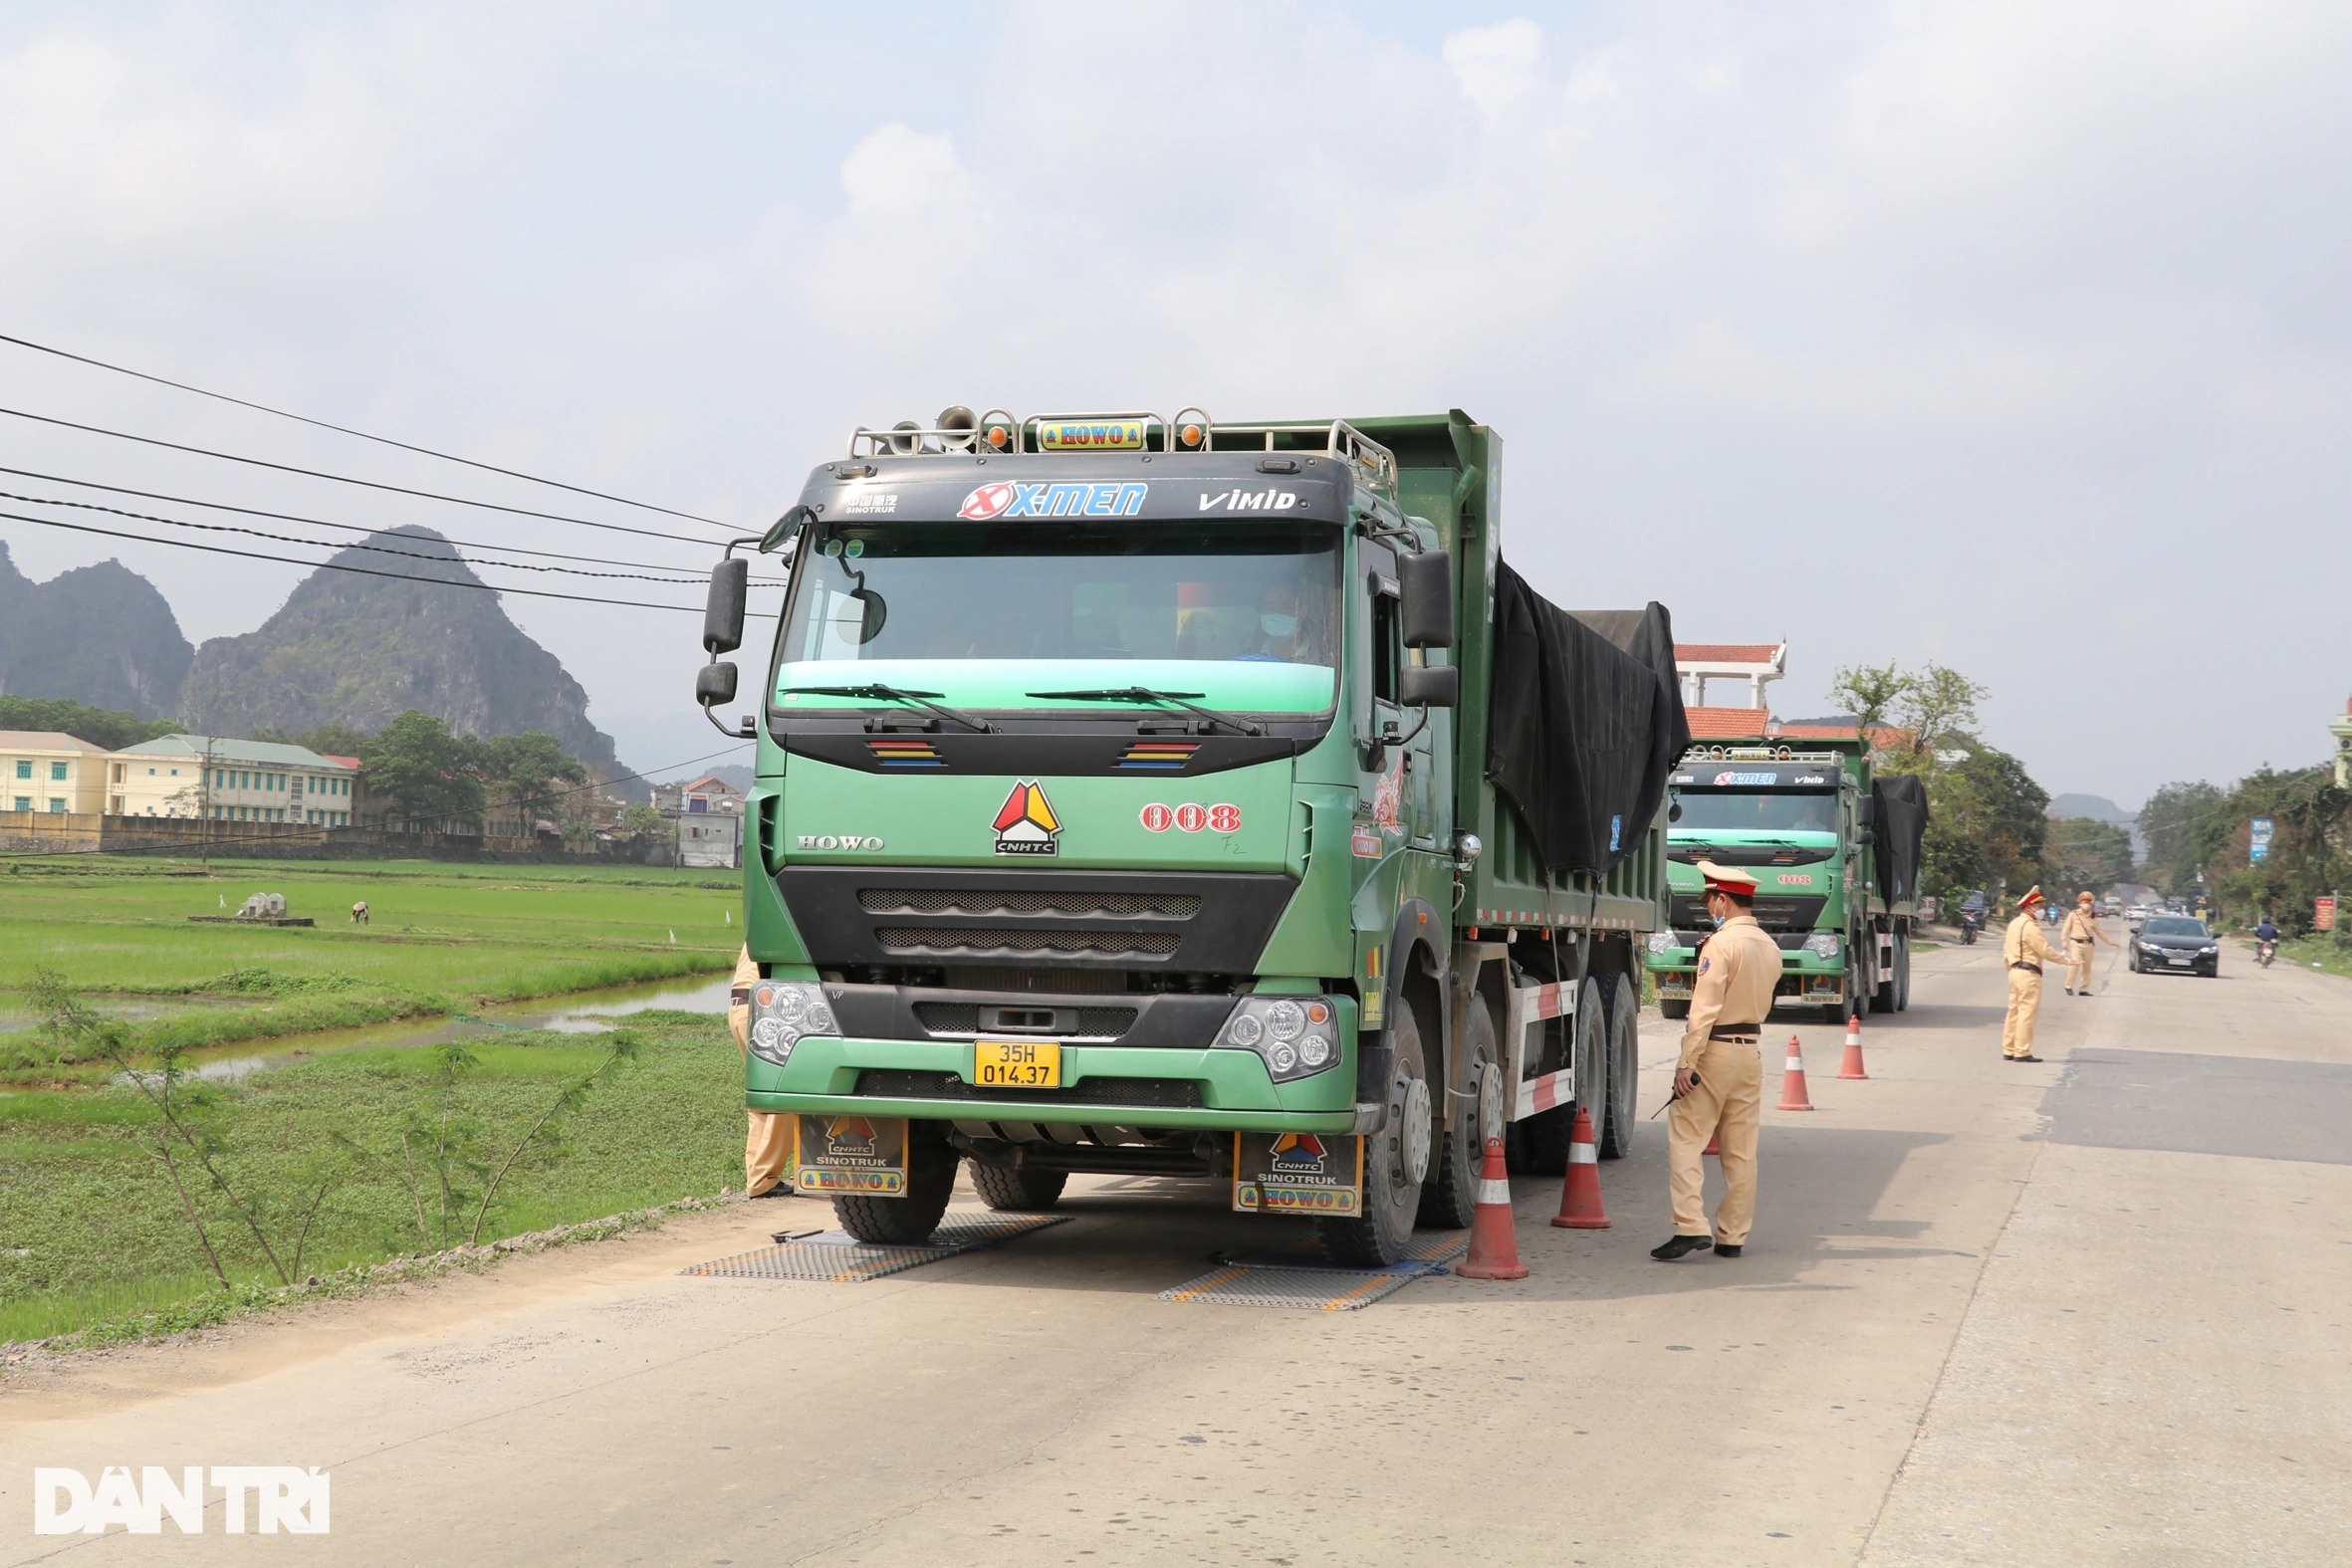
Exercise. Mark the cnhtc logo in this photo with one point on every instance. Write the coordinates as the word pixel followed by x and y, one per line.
pixel 261 1499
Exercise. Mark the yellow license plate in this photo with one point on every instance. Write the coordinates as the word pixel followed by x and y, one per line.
pixel 1017 1065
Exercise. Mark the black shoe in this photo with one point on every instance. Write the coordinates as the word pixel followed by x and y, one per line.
pixel 1727 1249
pixel 2020 1058
pixel 779 1190
pixel 2069 990
pixel 1677 1245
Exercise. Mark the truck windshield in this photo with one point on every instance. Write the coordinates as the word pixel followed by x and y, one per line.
pixel 1263 594
pixel 1757 811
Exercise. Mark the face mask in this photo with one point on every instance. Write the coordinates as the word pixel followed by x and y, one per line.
pixel 1278 626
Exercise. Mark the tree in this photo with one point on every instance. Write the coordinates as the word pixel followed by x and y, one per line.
pixel 335 740
pixel 1933 705
pixel 643 821
pixel 108 727
pixel 2311 835
pixel 426 772
pixel 2087 853
pixel 1986 823
pixel 528 771
pixel 1871 691
pixel 2182 825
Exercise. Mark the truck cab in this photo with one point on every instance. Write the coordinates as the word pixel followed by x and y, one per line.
pixel 1105 815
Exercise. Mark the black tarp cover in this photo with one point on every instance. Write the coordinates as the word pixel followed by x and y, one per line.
pixel 1898 829
pixel 1585 721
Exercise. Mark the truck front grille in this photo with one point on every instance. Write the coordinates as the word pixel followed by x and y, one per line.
pixel 1008 941
pixel 1158 1094
pixel 1073 904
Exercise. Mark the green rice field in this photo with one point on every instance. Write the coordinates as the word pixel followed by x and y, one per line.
pixel 441 939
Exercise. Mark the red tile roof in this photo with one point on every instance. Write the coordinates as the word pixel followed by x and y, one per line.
pixel 1726 723
pixel 1726 652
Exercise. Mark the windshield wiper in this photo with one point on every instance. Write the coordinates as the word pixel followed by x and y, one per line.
pixel 879 693
pixel 1146 694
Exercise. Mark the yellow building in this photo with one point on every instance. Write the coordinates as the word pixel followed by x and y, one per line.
pixel 199 776
pixel 44 771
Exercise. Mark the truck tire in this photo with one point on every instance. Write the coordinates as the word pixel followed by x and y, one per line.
pixel 1614 1137
pixel 1674 1010
pixel 1592 1062
pixel 903 1222
pixel 1902 972
pixel 1008 1187
pixel 1450 1196
pixel 1384 1233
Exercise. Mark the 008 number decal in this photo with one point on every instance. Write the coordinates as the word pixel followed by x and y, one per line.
pixel 1192 818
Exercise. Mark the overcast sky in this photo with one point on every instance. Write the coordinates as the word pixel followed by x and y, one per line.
pixel 2013 336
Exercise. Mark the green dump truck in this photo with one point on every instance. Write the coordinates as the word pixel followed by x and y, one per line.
pixel 1835 853
pixel 1165 798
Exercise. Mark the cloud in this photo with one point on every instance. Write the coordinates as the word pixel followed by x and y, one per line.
pixel 1496 65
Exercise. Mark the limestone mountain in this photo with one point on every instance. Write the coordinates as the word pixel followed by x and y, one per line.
pixel 101 635
pixel 362 650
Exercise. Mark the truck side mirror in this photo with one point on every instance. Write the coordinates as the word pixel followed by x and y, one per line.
pixel 721 612
pixel 1865 812
pixel 714 683
pixel 1425 584
pixel 1429 686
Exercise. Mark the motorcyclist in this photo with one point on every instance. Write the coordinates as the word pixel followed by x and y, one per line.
pixel 1972 915
pixel 2265 940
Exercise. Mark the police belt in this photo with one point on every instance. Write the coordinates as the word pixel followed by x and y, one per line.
pixel 1736 1034
pixel 2034 968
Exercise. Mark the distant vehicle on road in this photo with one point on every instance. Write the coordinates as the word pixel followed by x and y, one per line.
pixel 2178 944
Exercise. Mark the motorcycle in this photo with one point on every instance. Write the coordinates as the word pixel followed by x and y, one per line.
pixel 1972 921
pixel 2265 952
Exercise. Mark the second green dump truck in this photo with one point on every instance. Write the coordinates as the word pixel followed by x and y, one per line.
pixel 1835 852
pixel 1155 797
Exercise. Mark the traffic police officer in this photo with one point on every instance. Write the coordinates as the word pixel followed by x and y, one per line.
pixel 2025 950
pixel 1719 1077
pixel 2082 934
pixel 768 1137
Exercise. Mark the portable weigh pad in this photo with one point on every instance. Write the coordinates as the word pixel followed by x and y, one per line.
pixel 1295 1279
pixel 835 1258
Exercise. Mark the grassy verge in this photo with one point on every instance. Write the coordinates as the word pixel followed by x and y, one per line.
pixel 2317 951
pixel 94 1241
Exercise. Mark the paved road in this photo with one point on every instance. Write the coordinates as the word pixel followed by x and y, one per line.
pixel 2092 1312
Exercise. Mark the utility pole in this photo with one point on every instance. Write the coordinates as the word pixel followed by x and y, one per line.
pixel 205 811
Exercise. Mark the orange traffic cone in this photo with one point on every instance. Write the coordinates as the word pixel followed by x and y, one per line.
pixel 1580 1194
pixel 1851 1067
pixel 1792 1087
pixel 1493 1245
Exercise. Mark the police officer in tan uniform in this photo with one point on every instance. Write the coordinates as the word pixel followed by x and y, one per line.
pixel 768 1139
pixel 2024 949
pixel 1719 1077
pixel 2082 935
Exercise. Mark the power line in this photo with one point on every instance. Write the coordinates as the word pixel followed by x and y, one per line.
pixel 329 565
pixel 381 550
pixel 345 528
pixel 322 424
pixel 346 479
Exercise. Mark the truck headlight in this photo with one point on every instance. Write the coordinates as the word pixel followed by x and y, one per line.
pixel 1295 1036
pixel 1824 945
pixel 1661 943
pixel 785 1013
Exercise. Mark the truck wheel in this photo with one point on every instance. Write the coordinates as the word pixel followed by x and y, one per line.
pixel 1674 1010
pixel 1395 1161
pixel 903 1222
pixel 1008 1187
pixel 1614 1138
pixel 1902 972
pixel 1450 1196
pixel 1592 1062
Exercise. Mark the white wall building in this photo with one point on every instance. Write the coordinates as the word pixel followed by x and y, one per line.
pixel 200 776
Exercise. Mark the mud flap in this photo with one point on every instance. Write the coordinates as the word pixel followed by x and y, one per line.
pixel 852 1153
pixel 1319 1175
